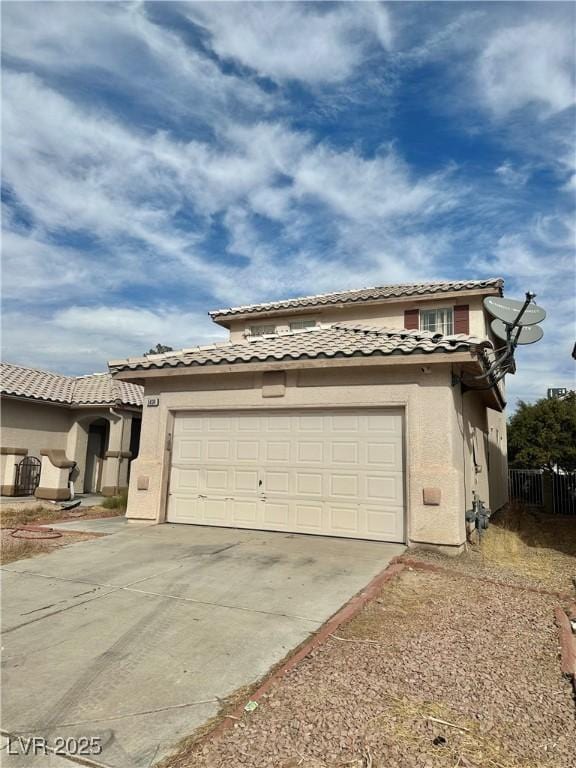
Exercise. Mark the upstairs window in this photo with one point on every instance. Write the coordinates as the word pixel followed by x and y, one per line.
pixel 437 321
pixel 296 325
pixel 261 330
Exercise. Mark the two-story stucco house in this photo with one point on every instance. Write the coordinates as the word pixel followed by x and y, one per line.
pixel 344 414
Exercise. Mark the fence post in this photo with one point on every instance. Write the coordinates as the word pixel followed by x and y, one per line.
pixel 548 492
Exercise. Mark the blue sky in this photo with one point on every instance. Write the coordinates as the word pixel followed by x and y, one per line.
pixel 162 159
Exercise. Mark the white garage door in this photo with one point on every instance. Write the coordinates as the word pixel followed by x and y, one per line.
pixel 336 473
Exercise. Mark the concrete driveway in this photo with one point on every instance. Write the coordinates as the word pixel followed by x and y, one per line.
pixel 136 636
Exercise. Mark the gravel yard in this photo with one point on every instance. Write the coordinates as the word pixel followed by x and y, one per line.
pixel 430 647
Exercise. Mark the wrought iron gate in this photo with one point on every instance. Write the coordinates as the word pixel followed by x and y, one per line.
pixel 27 476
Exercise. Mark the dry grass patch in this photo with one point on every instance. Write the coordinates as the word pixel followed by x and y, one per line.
pixel 435 729
pixel 37 513
pixel 12 549
pixel 522 547
pixel 540 547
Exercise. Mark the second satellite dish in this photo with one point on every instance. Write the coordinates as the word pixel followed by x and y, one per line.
pixel 508 310
pixel 526 335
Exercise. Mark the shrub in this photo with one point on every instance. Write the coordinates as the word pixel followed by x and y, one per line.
pixel 119 502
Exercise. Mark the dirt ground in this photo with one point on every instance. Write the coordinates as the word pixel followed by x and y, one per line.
pixel 431 647
pixel 16 545
pixel 12 549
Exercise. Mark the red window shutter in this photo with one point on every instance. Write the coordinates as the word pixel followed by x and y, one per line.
pixel 411 319
pixel 462 319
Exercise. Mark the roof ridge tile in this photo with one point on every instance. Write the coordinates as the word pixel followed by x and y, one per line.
pixel 385 291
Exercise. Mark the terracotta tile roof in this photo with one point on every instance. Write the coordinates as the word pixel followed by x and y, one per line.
pixel 322 341
pixel 364 294
pixel 96 389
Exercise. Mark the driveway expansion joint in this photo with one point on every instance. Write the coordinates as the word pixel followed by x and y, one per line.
pixel 113 589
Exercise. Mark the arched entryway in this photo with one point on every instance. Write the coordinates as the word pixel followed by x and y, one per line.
pixel 97 445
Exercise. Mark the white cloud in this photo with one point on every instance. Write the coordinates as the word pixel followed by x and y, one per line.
pixel 76 169
pixel 530 64
pixel 119 44
pixel 81 339
pixel 287 41
pixel 512 177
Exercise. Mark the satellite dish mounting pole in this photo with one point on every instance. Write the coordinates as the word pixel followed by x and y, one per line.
pixel 512 343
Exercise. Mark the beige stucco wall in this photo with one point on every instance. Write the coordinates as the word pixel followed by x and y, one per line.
pixel 33 425
pixel 37 426
pixel 484 429
pixel 498 459
pixel 435 452
pixel 386 314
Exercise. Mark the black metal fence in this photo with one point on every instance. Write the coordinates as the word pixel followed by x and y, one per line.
pixel 555 493
pixel 563 493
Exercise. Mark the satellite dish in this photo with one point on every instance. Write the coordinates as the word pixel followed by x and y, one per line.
pixel 529 334
pixel 508 310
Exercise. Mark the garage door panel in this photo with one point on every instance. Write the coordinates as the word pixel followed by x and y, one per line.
pixel 219 424
pixel 344 519
pixel 276 515
pixel 384 422
pixel 308 484
pixel 249 424
pixel 384 488
pixel 384 454
pixel 188 450
pixel 309 517
pixel 383 523
pixel 247 450
pixel 187 510
pixel 187 480
pixel 310 452
pixel 245 480
pixel 276 482
pixel 344 486
pixel 277 424
pixel 277 451
pixel 344 452
pixel 245 511
pixel 325 472
pixel 349 422
pixel 218 450
pixel 310 423
pixel 215 511
pixel 216 480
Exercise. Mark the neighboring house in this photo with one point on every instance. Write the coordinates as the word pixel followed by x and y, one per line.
pixel 341 414
pixel 86 426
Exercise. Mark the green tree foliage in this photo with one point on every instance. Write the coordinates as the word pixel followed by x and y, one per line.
pixel 159 349
pixel 543 435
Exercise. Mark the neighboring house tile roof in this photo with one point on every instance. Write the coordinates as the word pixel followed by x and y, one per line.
pixel 363 294
pixel 95 389
pixel 322 341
